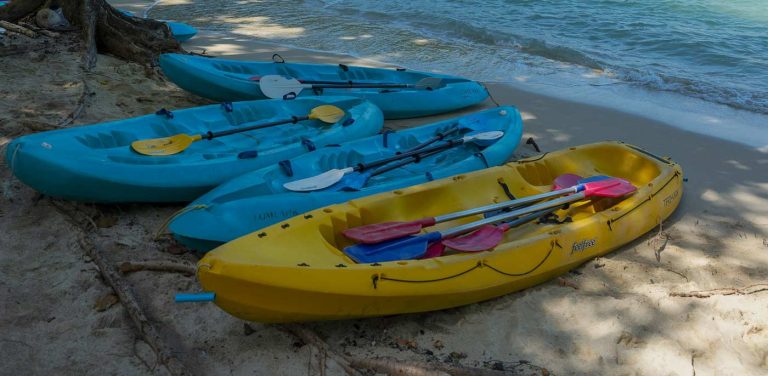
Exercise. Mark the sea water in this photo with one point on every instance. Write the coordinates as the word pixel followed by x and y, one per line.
pixel 701 65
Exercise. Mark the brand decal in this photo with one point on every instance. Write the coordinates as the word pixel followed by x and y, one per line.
pixel 276 215
pixel 671 198
pixel 582 245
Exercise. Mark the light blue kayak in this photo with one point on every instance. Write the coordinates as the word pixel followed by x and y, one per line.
pixel 96 163
pixel 180 31
pixel 258 199
pixel 233 80
pixel 2 3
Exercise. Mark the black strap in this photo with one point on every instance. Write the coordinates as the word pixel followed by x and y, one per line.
pixel 343 67
pixel 482 158
pixel 531 142
pixel 347 122
pixel 308 144
pixel 286 166
pixel 165 112
pixel 275 58
pixel 504 186
pixel 227 106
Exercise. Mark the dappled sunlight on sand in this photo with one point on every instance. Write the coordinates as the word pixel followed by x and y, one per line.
pixel 255 26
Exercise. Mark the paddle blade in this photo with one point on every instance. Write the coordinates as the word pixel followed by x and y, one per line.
pixel 429 83
pixel 351 182
pixel 164 145
pixel 407 248
pixel 380 232
pixel 327 113
pixel 435 249
pixel 317 182
pixel 274 86
pixel 484 138
pixel 612 187
pixel 565 181
pixel 483 239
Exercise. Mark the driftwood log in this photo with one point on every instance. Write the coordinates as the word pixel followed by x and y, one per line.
pixel 104 29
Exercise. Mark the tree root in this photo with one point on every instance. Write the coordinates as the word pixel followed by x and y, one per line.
pixel 388 366
pixel 127 299
pixel 158 266
pixel 79 107
pixel 751 289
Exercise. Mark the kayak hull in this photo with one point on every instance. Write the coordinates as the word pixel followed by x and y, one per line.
pixel 233 80
pixel 296 270
pixel 258 199
pixel 96 164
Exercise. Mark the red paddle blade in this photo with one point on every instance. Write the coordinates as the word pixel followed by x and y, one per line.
pixel 483 239
pixel 613 187
pixel 435 249
pixel 379 232
pixel 565 181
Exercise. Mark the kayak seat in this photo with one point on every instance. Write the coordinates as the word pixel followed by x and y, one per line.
pixel 106 140
pixel 340 159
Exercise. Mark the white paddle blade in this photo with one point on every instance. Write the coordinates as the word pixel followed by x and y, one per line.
pixel 429 82
pixel 484 136
pixel 275 86
pixel 317 182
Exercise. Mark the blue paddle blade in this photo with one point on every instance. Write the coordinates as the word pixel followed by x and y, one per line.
pixel 353 181
pixel 406 248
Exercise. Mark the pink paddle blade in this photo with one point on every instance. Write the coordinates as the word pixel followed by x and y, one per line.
pixel 435 249
pixel 379 232
pixel 565 181
pixel 614 187
pixel 483 239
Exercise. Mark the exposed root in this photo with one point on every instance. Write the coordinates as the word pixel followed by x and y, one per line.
pixel 125 294
pixel 79 107
pixel 387 366
pixel 751 289
pixel 659 242
pixel 158 266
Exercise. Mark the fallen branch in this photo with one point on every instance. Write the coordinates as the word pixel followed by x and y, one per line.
pixel 18 29
pixel 388 366
pixel 127 299
pixel 311 338
pixel 722 291
pixel 157 266
pixel 47 33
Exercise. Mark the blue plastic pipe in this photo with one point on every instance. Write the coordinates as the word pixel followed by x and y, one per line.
pixel 195 298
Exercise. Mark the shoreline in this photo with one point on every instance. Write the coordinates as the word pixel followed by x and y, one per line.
pixel 671 108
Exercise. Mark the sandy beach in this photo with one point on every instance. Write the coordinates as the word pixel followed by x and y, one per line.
pixel 613 315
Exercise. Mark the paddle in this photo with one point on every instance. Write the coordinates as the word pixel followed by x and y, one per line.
pixel 487 234
pixel 356 181
pixel 339 83
pixel 180 142
pixel 274 86
pixel 411 247
pixel 379 232
pixel 331 177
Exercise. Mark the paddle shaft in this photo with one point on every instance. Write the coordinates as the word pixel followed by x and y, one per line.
pixel 505 204
pixel 393 166
pixel 515 213
pixel 449 144
pixel 438 137
pixel 295 119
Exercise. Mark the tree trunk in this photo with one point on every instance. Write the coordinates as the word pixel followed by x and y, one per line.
pixel 104 29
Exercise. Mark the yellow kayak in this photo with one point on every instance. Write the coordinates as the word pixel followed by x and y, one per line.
pixel 296 270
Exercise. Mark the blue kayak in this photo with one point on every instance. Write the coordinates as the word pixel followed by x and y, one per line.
pixel 258 199
pixel 180 31
pixel 233 80
pixel 96 163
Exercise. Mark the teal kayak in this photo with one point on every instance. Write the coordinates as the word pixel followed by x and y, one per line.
pixel 180 31
pixel 96 163
pixel 258 199
pixel 233 80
